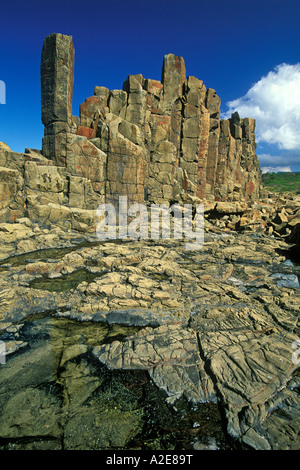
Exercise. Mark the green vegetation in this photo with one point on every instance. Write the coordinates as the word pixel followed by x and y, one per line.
pixel 282 182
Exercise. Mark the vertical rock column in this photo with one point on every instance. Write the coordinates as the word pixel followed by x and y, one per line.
pixel 137 99
pixel 222 172
pixel 165 106
pixel 213 103
pixel 250 164
pixel 238 173
pixel 127 165
pixel 235 187
pixel 173 79
pixel 57 76
pixel 194 140
pixel 85 164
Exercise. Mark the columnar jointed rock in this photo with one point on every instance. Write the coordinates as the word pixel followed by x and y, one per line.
pixel 173 144
pixel 83 163
pixel 152 141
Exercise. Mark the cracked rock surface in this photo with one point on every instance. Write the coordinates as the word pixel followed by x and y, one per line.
pixel 171 355
pixel 213 327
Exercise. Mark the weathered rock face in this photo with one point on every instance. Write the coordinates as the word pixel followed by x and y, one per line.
pixel 184 149
pixel 152 141
pixel 165 141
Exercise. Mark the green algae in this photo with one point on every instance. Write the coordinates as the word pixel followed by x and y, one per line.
pixel 65 282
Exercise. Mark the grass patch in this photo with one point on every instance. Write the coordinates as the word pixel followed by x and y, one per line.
pixel 282 182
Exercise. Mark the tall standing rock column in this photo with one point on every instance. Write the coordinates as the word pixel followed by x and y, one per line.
pixel 213 103
pixel 57 76
pixel 195 130
pixel 173 79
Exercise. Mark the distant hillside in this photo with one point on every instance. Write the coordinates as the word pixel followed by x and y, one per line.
pixel 282 182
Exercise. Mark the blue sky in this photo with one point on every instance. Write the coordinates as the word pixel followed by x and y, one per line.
pixel 248 51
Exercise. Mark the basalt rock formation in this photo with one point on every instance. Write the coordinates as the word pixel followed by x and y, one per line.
pixel 161 140
pixel 153 141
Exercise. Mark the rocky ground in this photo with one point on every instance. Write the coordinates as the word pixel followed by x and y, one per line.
pixel 215 328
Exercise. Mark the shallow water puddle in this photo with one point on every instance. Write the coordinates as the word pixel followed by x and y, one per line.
pixel 40 255
pixel 54 394
pixel 56 253
pixel 64 282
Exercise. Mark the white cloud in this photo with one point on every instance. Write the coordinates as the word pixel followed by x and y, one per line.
pixel 286 159
pixel 274 101
pixel 276 169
